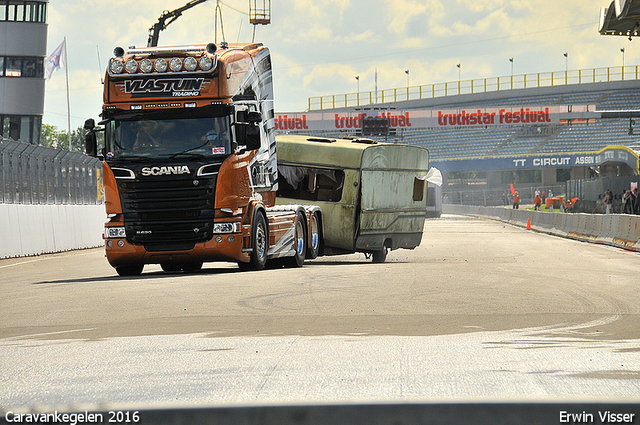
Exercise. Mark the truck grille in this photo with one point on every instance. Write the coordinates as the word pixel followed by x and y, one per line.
pixel 168 214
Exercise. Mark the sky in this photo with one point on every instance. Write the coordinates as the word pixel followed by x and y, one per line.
pixel 318 47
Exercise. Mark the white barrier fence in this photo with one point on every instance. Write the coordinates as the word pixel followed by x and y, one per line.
pixel 41 229
pixel 620 230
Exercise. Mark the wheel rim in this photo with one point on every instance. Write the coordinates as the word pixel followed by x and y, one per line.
pixel 261 240
pixel 299 238
pixel 315 240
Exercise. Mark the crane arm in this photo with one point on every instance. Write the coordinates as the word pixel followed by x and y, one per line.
pixel 165 19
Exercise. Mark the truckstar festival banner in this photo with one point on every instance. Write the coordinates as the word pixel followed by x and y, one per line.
pixel 471 117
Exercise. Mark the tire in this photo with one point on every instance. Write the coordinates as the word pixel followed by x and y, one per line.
pixel 299 241
pixel 130 270
pixel 259 243
pixel 171 267
pixel 314 237
pixel 192 267
pixel 380 256
pixel 178 267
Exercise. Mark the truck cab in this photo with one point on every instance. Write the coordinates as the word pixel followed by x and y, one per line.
pixel 189 160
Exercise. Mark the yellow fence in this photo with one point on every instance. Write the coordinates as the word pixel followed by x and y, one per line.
pixel 525 81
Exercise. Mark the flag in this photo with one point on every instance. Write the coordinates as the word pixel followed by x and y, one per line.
pixel 57 60
pixel 434 176
pixel 513 189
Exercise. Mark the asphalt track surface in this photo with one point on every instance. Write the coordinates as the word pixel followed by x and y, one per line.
pixel 481 310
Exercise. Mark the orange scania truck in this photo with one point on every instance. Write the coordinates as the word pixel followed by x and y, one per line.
pixel 189 162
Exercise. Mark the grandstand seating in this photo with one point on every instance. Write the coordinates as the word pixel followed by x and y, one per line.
pixel 454 143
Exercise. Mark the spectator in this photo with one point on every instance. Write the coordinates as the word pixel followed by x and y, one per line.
pixel 516 200
pixel 543 195
pixel 627 203
pixel 537 202
pixel 569 205
pixel 607 201
pixel 634 201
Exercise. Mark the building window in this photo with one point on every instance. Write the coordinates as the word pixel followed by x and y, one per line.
pixel 22 128
pixel 23 11
pixel 22 67
pixel 14 67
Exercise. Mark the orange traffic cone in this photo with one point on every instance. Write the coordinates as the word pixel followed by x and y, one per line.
pixel 528 224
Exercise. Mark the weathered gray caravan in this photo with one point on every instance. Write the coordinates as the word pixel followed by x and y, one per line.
pixel 373 196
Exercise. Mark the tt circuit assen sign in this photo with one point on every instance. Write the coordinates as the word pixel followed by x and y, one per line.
pixel 320 121
pixel 529 162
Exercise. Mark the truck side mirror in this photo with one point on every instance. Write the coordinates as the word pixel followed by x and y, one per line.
pixel 90 139
pixel 91 143
pixel 253 137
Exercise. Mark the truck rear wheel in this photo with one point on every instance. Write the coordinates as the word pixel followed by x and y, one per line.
pixel 300 241
pixel 314 237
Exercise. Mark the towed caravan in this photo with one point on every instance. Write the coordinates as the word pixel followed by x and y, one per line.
pixel 373 196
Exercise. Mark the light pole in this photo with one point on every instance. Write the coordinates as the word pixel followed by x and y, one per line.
pixel 622 50
pixel 459 67
pixel 566 68
pixel 358 92
pixel 407 72
pixel 511 60
pixel 375 83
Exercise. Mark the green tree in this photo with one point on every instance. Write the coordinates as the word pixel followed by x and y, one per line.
pixel 59 139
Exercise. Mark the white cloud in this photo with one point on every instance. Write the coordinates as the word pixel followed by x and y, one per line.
pixel 319 46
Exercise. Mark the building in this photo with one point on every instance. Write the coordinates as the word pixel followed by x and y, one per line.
pixel 23 45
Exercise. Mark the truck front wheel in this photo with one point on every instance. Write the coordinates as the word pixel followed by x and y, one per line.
pixel 130 270
pixel 259 243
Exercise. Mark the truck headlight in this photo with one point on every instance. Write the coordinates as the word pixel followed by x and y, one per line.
pixel 161 65
pixel 131 66
pixel 206 63
pixel 175 64
pixel 116 66
pixel 190 64
pixel 146 66
pixel 226 227
pixel 114 232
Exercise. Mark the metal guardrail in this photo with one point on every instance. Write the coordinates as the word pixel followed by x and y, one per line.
pixel 618 230
pixel 484 85
pixel 33 174
pixel 499 197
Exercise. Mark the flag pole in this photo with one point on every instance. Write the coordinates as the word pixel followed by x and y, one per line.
pixel 66 69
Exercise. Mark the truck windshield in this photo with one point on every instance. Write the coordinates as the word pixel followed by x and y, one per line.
pixel 166 138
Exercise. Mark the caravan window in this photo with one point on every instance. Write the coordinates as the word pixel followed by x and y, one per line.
pixel 310 184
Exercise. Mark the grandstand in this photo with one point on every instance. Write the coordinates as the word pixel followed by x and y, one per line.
pixel 577 144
